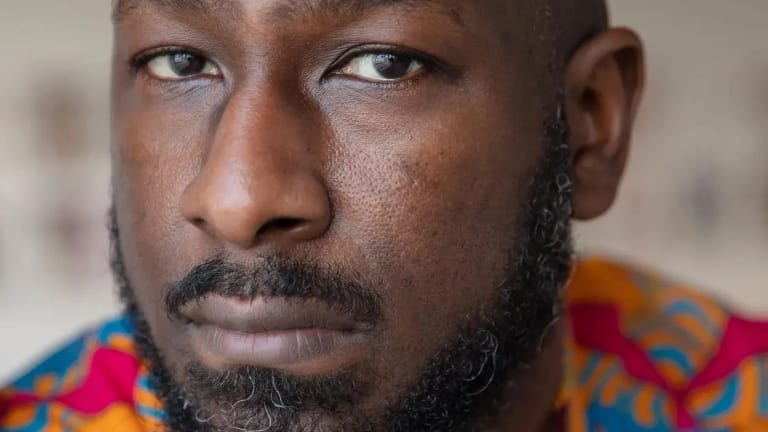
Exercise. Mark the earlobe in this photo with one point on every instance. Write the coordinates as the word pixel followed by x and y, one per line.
pixel 603 84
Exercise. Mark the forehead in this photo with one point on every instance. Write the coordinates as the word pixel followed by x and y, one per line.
pixel 283 8
pixel 514 26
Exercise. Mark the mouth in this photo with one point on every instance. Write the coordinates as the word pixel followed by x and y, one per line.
pixel 299 337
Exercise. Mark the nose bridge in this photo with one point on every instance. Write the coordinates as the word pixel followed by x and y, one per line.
pixel 259 179
pixel 258 132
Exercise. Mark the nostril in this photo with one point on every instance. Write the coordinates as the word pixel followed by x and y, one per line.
pixel 280 224
pixel 198 222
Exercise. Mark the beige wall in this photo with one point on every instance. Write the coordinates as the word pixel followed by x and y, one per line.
pixel 53 273
pixel 695 201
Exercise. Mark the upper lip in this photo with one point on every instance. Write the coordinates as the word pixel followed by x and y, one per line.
pixel 260 315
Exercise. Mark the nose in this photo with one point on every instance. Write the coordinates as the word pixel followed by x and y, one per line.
pixel 259 182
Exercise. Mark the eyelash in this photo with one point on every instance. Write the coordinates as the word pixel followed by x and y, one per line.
pixel 431 65
pixel 138 62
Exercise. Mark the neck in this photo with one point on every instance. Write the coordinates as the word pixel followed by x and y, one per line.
pixel 529 405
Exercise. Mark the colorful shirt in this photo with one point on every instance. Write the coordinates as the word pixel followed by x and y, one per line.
pixel 643 354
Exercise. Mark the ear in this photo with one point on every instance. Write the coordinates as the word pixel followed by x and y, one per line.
pixel 603 85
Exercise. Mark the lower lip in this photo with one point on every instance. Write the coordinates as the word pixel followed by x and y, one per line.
pixel 300 351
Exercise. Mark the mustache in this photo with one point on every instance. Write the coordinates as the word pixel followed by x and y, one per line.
pixel 275 277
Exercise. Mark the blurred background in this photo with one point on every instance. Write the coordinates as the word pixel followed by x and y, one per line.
pixel 694 204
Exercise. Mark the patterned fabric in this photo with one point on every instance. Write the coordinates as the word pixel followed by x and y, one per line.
pixel 94 384
pixel 646 354
pixel 643 354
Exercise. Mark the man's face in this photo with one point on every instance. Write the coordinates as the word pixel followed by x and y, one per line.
pixel 319 202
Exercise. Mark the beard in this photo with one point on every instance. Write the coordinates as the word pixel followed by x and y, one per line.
pixel 462 385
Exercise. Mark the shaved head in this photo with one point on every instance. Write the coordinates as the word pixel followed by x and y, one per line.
pixel 557 29
pixel 575 21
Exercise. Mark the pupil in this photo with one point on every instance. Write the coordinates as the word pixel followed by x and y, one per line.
pixel 392 66
pixel 185 64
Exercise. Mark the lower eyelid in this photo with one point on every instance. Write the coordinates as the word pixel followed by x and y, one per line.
pixel 170 90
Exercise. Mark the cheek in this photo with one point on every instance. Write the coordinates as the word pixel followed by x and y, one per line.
pixel 435 206
pixel 156 152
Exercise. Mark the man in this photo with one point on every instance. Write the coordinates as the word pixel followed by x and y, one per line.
pixel 353 215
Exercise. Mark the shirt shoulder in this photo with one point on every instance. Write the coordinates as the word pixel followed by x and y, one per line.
pixel 93 383
pixel 648 353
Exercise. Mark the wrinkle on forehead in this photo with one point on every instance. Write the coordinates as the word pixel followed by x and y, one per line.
pixel 122 8
pixel 293 8
pixel 287 9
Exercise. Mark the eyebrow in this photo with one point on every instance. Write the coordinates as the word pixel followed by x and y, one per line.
pixel 123 8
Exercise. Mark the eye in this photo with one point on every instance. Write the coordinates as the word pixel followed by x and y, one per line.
pixel 179 65
pixel 383 67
